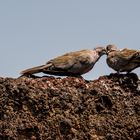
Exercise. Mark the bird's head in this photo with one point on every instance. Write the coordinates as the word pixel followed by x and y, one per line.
pixel 110 48
pixel 100 50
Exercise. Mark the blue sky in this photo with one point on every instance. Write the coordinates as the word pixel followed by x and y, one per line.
pixel 34 31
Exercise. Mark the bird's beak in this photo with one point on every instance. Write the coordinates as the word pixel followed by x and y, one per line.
pixel 105 51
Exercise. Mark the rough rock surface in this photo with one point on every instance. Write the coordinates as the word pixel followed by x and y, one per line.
pixel 70 108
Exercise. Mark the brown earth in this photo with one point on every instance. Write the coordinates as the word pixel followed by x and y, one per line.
pixel 70 108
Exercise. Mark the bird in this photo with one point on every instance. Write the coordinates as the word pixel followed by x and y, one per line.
pixel 125 60
pixel 70 64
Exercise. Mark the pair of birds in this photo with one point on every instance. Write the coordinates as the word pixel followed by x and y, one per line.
pixel 81 62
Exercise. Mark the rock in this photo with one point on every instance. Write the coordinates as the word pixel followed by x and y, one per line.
pixel 70 108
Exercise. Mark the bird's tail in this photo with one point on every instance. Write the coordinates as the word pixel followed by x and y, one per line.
pixel 34 70
pixel 136 58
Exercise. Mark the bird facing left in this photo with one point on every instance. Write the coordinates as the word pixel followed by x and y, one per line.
pixel 70 64
pixel 125 60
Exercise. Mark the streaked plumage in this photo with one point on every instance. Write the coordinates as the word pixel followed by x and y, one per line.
pixel 124 60
pixel 70 64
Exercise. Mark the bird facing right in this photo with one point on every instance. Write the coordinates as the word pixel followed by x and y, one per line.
pixel 124 60
pixel 70 64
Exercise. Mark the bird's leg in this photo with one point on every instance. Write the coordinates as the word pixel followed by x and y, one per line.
pixel 128 72
pixel 118 72
pixel 79 76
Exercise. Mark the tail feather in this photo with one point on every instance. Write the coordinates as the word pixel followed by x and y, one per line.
pixel 136 58
pixel 136 61
pixel 33 70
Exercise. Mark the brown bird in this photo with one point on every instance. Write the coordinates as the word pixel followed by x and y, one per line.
pixel 124 60
pixel 69 64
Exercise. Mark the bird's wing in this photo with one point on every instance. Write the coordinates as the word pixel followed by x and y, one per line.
pixel 127 54
pixel 68 60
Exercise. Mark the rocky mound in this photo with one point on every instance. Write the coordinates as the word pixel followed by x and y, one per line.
pixel 70 108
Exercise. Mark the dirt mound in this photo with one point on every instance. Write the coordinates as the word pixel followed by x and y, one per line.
pixel 70 108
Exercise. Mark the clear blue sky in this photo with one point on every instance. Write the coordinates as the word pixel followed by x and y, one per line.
pixel 34 31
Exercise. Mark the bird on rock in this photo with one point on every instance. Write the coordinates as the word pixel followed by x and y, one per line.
pixel 69 64
pixel 124 60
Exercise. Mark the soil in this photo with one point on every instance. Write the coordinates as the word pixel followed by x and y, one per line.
pixel 70 108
